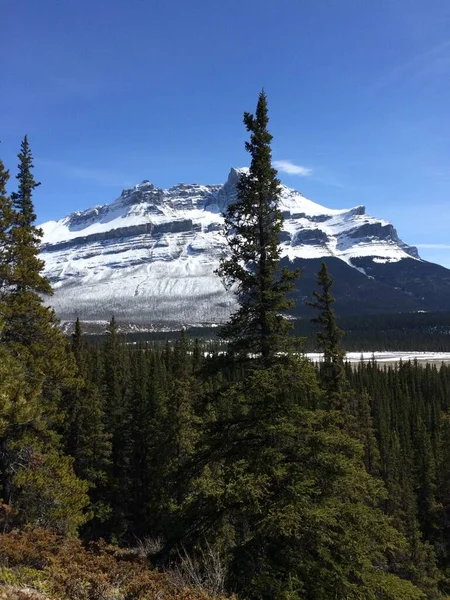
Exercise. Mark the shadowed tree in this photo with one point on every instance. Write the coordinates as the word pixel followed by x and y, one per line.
pixel 43 368
pixel 253 224
pixel 328 338
pixel 6 216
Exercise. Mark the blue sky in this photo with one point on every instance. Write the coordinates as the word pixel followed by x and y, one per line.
pixel 111 92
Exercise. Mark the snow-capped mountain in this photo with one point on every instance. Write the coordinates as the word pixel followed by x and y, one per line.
pixel 150 256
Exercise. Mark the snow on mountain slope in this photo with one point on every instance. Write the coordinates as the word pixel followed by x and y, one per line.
pixel 151 255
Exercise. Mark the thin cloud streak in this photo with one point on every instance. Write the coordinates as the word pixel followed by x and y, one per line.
pixel 435 246
pixel 286 166
pixel 420 65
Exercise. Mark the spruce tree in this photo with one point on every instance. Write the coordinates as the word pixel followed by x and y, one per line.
pixel 6 216
pixel 253 224
pixel 26 237
pixel 116 373
pixel 141 481
pixel 283 492
pixel 84 434
pixel 30 329
pixel 182 426
pixel 37 353
pixel 443 492
pixel 328 338
pixel 78 348
pixel 20 400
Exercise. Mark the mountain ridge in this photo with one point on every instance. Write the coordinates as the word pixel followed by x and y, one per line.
pixel 151 254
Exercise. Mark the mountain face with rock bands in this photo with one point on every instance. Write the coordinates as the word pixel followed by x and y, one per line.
pixel 150 257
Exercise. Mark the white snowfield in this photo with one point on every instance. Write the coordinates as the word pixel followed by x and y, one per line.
pixel 388 357
pixel 151 255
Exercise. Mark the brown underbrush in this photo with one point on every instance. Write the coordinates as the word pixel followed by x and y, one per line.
pixel 40 565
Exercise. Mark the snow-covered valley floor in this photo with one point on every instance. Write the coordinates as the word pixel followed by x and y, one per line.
pixel 391 357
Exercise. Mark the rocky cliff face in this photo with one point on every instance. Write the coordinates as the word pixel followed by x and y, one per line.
pixel 150 256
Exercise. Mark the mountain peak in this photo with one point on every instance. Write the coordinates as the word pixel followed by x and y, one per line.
pixel 235 173
pixel 153 250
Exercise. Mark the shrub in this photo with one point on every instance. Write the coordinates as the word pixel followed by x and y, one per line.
pixel 65 570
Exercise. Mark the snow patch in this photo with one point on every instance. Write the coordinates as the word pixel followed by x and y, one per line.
pixel 155 251
pixel 388 357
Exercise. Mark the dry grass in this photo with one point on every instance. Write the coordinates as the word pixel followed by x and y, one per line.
pixel 39 565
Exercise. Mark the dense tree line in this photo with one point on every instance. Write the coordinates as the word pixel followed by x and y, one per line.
pixel 419 332
pixel 308 482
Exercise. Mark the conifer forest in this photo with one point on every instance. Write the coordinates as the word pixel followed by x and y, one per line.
pixel 133 471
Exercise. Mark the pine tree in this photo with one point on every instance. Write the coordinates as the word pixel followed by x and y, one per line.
pixel 6 217
pixel 117 419
pixel 26 237
pixel 328 338
pixel 181 401
pixel 283 492
pixel 83 432
pixel 280 488
pixel 30 329
pixel 144 437
pixel 78 348
pixel 182 426
pixel 37 353
pixel 48 493
pixel 113 370
pixel 443 492
pixel 20 400
pixel 364 431
pixel 425 467
pixel 253 224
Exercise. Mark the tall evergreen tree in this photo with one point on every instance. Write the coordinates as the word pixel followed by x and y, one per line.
pixel 116 373
pixel 35 347
pixel 253 225
pixel 143 441
pixel 283 491
pixel 328 338
pixel 78 348
pixel 443 493
pixel 26 237
pixel 30 328
pixel 84 433
pixel 6 217
pixel 280 488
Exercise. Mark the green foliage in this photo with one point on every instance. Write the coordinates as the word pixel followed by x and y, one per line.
pixel 29 329
pixel 285 489
pixel 6 217
pixel 252 225
pixel 37 481
pixel 25 236
pixel 328 337
pixel 19 396
pixel 48 494
pixel 83 431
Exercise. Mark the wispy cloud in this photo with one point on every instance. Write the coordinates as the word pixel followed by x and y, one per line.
pixel 286 166
pixel 97 176
pixel 434 246
pixel 435 60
